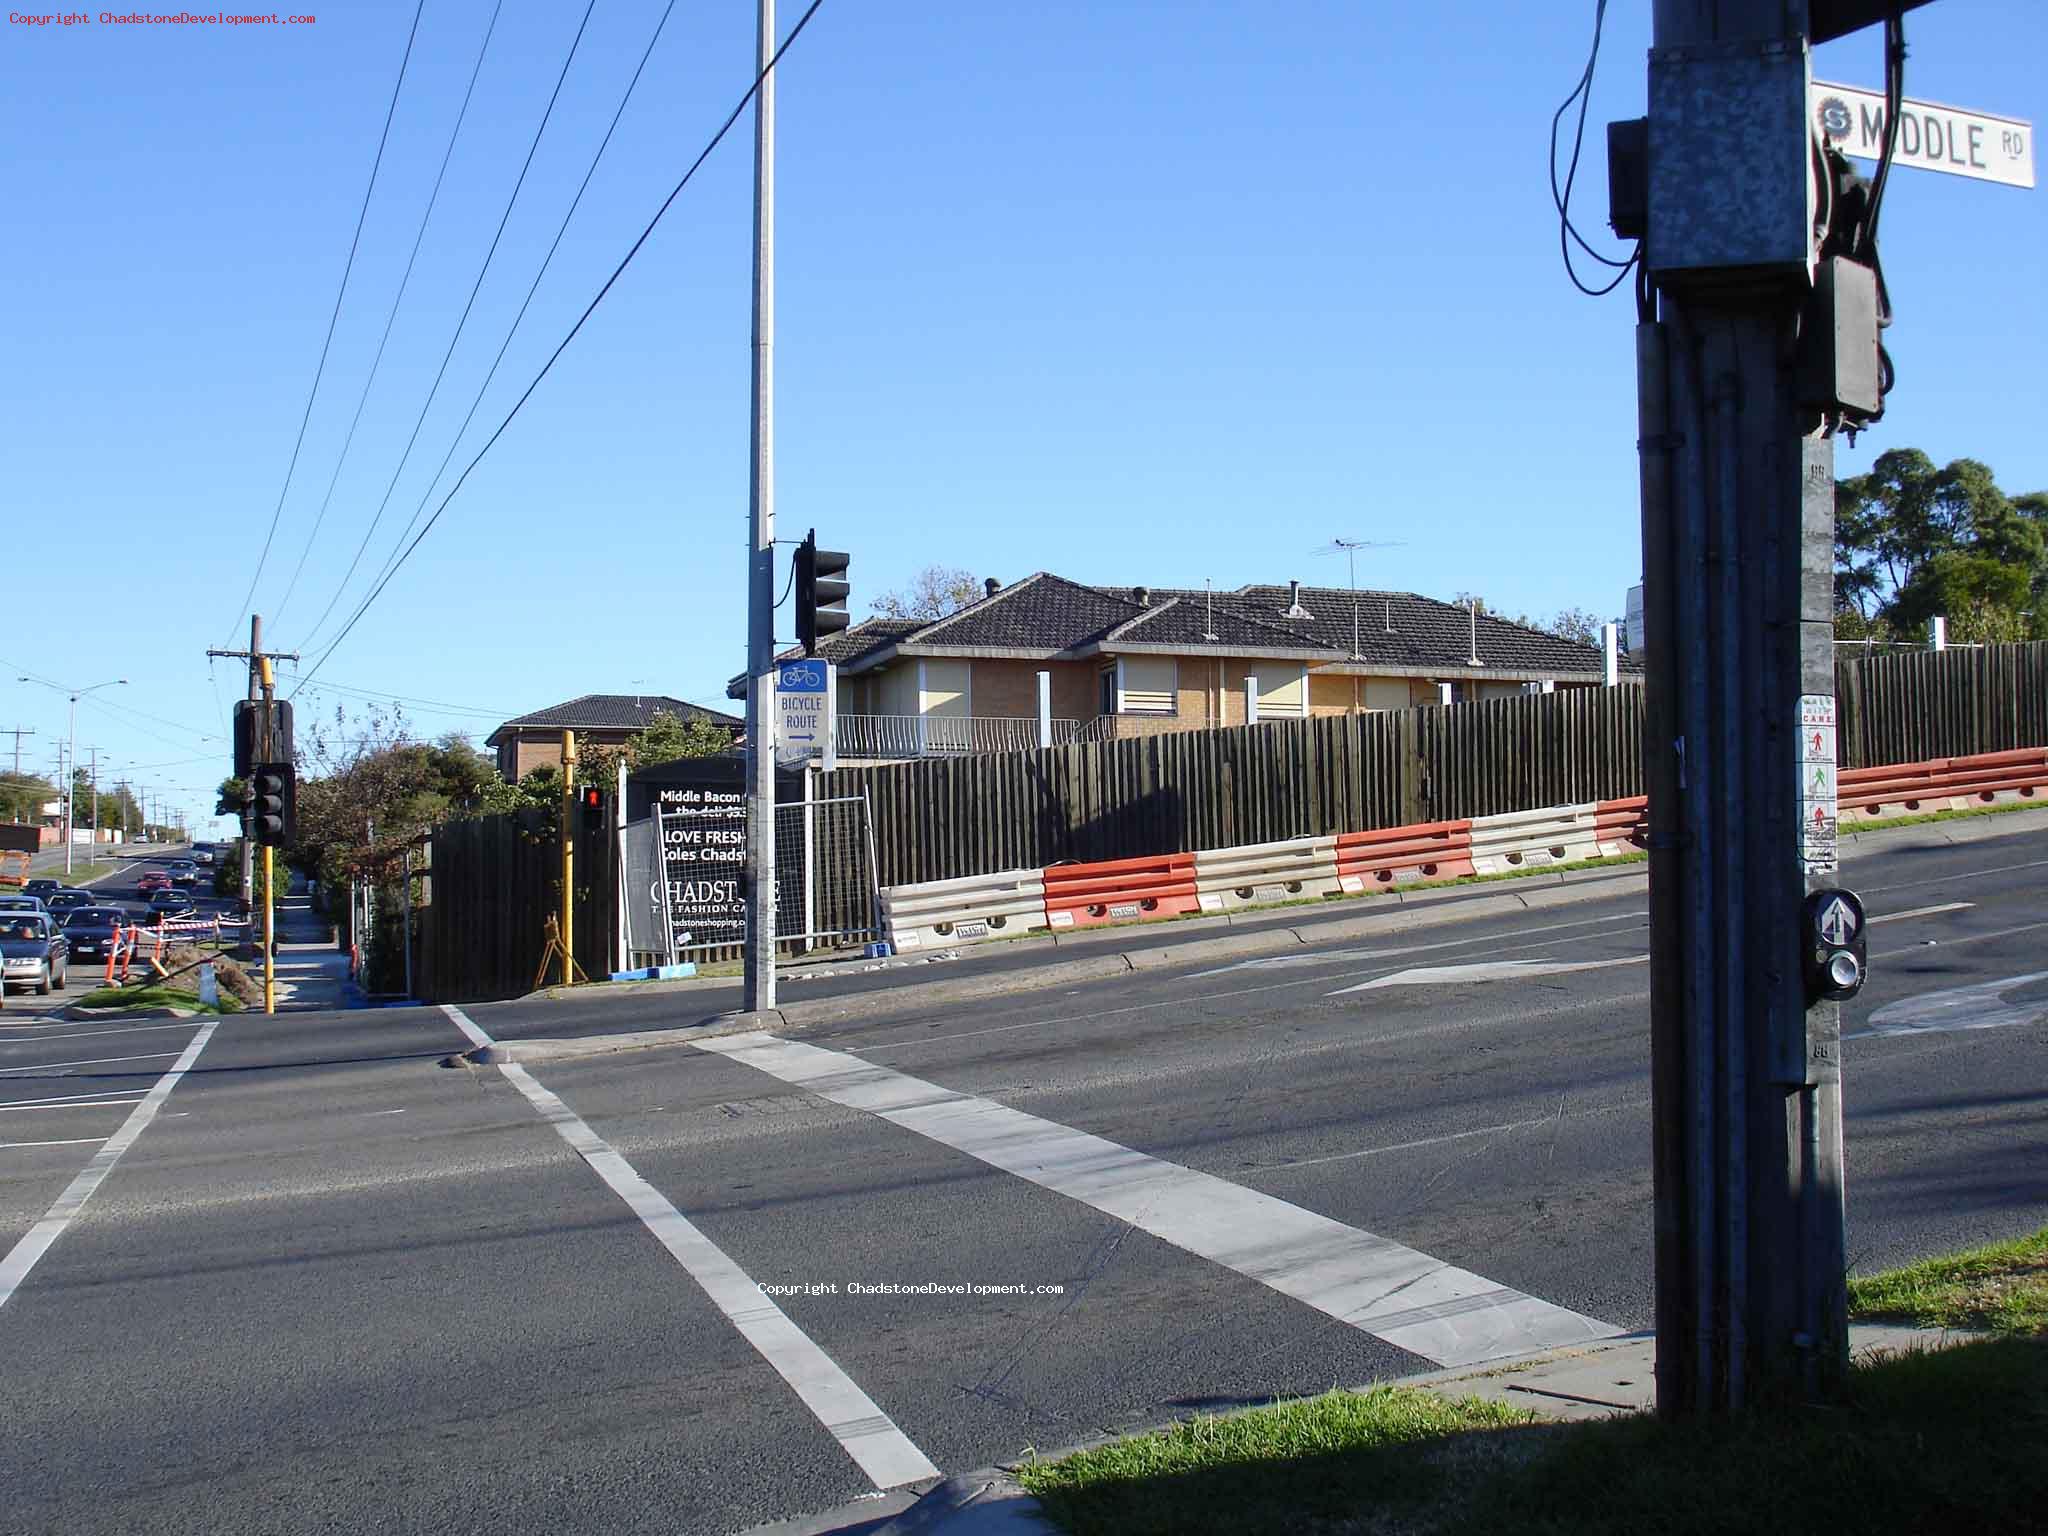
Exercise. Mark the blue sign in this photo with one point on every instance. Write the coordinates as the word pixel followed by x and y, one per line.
pixel 803 676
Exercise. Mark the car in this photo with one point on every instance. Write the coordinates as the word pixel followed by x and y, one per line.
pixel 42 887
pixel 153 880
pixel 184 872
pixel 170 903
pixel 34 952
pixel 23 901
pixel 60 902
pixel 92 930
pixel 202 855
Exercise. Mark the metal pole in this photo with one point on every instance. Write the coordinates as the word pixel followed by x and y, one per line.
pixel 1737 523
pixel 408 920
pixel 95 751
pixel 269 935
pixel 70 783
pixel 759 967
pixel 263 745
pixel 568 856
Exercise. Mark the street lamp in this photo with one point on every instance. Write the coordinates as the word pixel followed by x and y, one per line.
pixel 71 776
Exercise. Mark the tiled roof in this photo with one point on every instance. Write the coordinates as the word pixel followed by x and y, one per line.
pixel 1196 622
pixel 1042 612
pixel 844 648
pixel 611 712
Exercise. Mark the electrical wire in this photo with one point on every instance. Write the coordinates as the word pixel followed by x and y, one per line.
pixel 533 288
pixel 475 288
pixel 590 309
pixel 1561 199
pixel 319 371
pixel 397 299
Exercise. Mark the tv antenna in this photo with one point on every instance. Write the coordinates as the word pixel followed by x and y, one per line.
pixel 1350 549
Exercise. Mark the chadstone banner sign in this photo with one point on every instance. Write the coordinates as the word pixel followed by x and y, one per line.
pixel 703 835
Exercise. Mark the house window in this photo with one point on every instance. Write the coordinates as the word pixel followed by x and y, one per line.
pixel 1149 685
pixel 1283 691
pixel 1105 703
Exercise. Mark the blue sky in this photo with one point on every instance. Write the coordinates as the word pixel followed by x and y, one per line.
pixel 1141 292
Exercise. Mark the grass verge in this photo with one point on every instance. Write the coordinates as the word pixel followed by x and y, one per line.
pixel 1948 1439
pixel 2002 1287
pixel 155 997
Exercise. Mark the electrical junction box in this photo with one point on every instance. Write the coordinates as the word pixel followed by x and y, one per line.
pixel 1732 192
pixel 1838 363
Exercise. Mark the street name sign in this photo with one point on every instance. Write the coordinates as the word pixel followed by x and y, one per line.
pixel 1931 137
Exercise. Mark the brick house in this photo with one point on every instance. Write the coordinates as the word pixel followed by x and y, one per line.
pixel 1123 661
pixel 598 719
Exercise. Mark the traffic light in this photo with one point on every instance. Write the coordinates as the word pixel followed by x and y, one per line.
pixel 271 805
pixel 590 800
pixel 821 589
pixel 250 744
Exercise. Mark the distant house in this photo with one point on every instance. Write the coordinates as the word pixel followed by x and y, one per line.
pixel 1126 661
pixel 598 719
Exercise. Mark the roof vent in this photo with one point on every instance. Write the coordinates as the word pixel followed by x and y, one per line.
pixel 991 586
pixel 1142 596
pixel 1294 610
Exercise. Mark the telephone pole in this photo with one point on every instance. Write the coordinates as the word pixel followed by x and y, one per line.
pixel 17 732
pixel 1737 472
pixel 759 967
pixel 262 692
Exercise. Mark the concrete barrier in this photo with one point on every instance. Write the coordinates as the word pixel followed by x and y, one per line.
pixel 1302 868
pixel 964 910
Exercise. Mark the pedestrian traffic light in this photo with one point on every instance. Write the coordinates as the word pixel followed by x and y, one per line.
pixel 271 805
pixel 1835 958
pixel 590 800
pixel 821 589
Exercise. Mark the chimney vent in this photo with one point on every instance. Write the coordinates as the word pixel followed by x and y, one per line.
pixel 1142 596
pixel 990 586
pixel 1294 609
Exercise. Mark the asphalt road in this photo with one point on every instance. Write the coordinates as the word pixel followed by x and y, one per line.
pixel 333 1285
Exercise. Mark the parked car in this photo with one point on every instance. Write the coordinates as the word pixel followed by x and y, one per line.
pixel 68 899
pixel 91 930
pixel 41 886
pixel 153 880
pixel 34 952
pixel 170 903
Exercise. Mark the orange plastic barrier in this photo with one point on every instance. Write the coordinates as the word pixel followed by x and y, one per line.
pixel 1619 825
pixel 1120 891
pixel 1430 850
pixel 1943 783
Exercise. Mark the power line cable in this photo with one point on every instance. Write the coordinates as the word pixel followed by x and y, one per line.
pixel 311 395
pixel 442 468
pixel 716 139
pixel 475 288
pixel 390 319
pixel 1567 232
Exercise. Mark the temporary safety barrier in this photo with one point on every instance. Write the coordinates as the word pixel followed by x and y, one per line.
pixel 1622 826
pixel 934 912
pixel 1943 784
pixel 1302 868
pixel 1431 850
pixel 1120 891
pixel 1530 839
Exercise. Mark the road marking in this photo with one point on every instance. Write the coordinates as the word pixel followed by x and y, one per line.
pixel 91 1061
pixel 1946 906
pixel 1488 970
pixel 98 1094
pixel 86 1034
pixel 849 1415
pixel 1417 1303
pixel 80 1103
pixel 1329 956
pixel 76 1141
pixel 15 1267
pixel 1982 1006
pixel 1438 1141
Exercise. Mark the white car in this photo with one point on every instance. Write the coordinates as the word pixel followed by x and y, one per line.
pixel 202 855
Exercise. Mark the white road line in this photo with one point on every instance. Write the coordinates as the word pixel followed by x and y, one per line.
pixel 15 1267
pixel 90 1061
pixel 1438 1141
pixel 86 1034
pixel 1982 1006
pixel 1486 970
pixel 1418 1303
pixel 1946 906
pixel 849 1415
pixel 100 1095
pixel 1335 956
pixel 76 1141
pixel 20 1109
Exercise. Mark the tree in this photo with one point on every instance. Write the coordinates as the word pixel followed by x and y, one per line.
pixel 23 796
pixel 1579 625
pixel 934 592
pixel 1913 542
pixel 667 737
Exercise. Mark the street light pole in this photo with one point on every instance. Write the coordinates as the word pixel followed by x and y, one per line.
pixel 71 755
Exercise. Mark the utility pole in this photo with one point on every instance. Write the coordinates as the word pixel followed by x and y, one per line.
pixel 95 752
pixel 1737 472
pixel 17 732
pixel 759 968
pixel 262 690
pixel 568 858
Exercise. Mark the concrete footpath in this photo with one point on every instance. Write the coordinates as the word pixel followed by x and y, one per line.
pixel 311 973
pixel 1611 1378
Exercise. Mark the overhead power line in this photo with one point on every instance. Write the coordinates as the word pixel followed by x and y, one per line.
pixel 716 139
pixel 390 319
pixel 312 394
pixel 462 323
pixel 532 288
